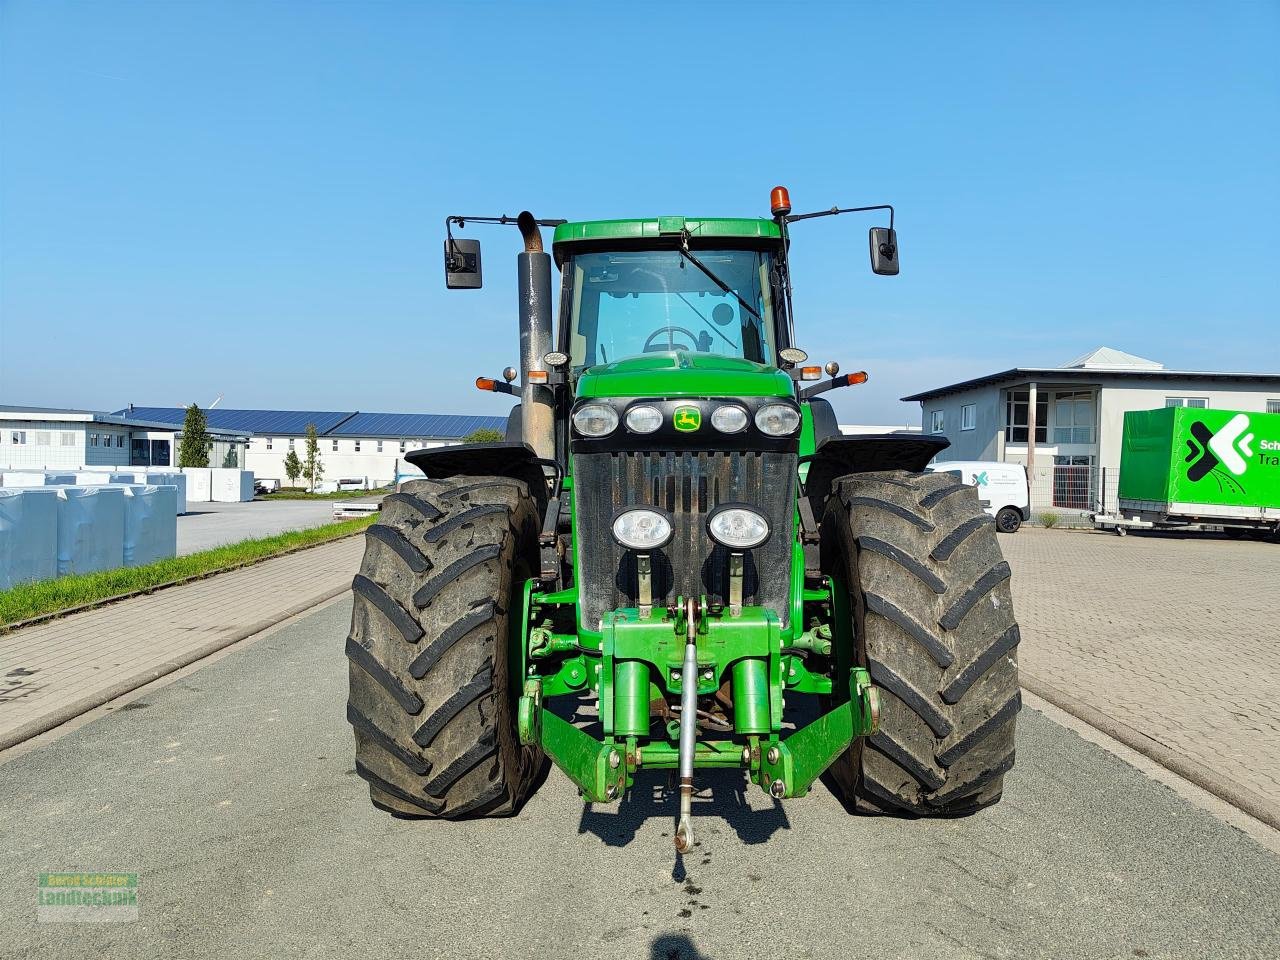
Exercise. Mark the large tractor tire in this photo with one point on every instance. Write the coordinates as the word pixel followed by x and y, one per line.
pixel 431 698
pixel 933 623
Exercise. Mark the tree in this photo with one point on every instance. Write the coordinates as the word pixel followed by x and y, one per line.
pixel 485 435
pixel 292 468
pixel 312 468
pixel 231 461
pixel 194 451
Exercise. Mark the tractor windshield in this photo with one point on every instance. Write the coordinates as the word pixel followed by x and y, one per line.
pixel 654 301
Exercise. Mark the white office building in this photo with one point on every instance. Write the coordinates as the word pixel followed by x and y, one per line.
pixel 367 448
pixel 58 438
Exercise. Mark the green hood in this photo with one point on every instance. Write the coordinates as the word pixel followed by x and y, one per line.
pixel 683 373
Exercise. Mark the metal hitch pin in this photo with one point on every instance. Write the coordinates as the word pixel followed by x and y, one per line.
pixel 688 727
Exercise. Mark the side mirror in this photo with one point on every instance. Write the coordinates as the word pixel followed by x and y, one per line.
pixel 462 264
pixel 884 251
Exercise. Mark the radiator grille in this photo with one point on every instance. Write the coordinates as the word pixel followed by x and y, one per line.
pixel 688 485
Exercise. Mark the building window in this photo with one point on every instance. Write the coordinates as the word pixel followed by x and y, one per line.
pixel 936 421
pixel 291 443
pixel 120 440
pixel 1273 406
pixel 379 446
pixel 1200 403
pixel 335 446
pixel 42 438
pixel 1073 417
pixel 18 436
pixel 968 416
pixel 68 439
pixel 1015 416
pixel 402 446
pixel 268 443
pixel 357 446
pixel 93 440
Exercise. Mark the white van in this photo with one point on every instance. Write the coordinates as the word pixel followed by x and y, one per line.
pixel 1002 488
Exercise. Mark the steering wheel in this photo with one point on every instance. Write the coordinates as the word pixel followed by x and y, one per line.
pixel 651 347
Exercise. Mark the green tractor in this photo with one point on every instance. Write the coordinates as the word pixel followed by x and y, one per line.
pixel 676 562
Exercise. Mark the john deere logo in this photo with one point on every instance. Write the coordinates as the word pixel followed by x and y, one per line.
pixel 1228 447
pixel 687 419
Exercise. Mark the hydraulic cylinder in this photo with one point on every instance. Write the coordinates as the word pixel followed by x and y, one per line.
pixel 631 698
pixel 750 696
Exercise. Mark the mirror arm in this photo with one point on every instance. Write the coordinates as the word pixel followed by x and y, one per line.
pixel 454 220
pixel 793 217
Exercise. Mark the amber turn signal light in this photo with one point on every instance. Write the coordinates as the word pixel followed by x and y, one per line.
pixel 485 383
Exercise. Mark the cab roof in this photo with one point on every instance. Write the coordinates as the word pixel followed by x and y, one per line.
pixel 738 228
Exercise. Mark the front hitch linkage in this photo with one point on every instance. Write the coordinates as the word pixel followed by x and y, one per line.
pixel 688 725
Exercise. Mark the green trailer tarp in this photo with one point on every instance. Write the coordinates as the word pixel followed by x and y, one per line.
pixel 1191 461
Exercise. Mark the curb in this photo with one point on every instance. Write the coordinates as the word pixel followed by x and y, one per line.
pixel 44 724
pixel 1224 788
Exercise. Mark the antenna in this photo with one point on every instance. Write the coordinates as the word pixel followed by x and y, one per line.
pixel 216 402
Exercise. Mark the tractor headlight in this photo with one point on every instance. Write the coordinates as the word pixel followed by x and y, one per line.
pixel 777 419
pixel 642 528
pixel 729 418
pixel 644 419
pixel 595 419
pixel 737 527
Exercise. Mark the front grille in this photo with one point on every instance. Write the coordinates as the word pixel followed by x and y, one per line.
pixel 688 485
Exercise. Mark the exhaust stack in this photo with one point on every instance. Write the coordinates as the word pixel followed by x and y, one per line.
pixel 536 421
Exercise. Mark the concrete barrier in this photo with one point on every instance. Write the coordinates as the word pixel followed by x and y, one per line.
pixel 166 478
pixel 199 484
pixel 232 486
pixel 90 528
pixel 150 523
pixel 28 535
pixel 15 479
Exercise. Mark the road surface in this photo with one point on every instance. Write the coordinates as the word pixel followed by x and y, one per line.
pixel 231 793
pixel 208 525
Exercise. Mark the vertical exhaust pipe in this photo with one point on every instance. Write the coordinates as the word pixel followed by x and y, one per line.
pixel 536 418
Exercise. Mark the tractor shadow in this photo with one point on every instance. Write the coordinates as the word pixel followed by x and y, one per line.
pixel 721 795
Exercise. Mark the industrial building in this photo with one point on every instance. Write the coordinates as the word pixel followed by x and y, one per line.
pixel 354 445
pixel 1065 423
pixel 55 438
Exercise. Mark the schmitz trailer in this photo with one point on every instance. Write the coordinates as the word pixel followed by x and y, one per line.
pixel 1187 468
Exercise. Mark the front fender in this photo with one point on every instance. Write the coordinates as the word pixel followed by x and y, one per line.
pixel 841 455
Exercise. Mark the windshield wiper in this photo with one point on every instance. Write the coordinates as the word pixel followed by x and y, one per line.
pixel 698 314
pixel 684 252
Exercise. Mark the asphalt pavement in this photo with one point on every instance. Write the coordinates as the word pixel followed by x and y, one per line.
pixel 231 793
pixel 208 525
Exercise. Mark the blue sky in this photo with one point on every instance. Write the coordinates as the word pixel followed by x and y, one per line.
pixel 247 198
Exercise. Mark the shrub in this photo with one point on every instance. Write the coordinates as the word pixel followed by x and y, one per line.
pixel 1048 519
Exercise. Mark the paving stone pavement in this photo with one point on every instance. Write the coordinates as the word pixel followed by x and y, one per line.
pixel 54 670
pixel 1178 637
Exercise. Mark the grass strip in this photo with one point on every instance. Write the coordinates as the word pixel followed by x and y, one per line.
pixel 296 493
pixel 43 598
